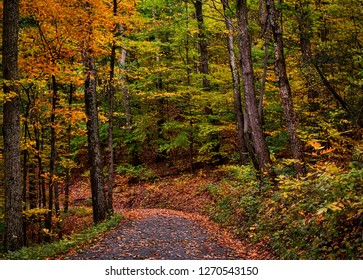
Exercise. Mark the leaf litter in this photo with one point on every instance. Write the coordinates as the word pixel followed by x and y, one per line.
pixel 167 234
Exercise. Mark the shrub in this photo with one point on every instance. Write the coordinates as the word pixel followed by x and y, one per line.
pixel 134 173
pixel 319 216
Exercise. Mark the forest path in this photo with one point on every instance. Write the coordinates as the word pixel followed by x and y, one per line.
pixel 166 234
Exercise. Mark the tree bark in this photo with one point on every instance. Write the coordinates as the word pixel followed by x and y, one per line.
pixel 53 156
pixel 11 128
pixel 126 97
pixel 54 180
pixel 125 93
pixel 236 86
pixel 302 8
pixel 244 45
pixel 111 93
pixel 203 44
pixel 188 96
pixel 68 171
pixel 284 87
pixel 263 79
pixel 94 149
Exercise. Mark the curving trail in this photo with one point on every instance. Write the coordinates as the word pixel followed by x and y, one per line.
pixel 166 234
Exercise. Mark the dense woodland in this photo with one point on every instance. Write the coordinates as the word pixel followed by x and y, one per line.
pixel 265 96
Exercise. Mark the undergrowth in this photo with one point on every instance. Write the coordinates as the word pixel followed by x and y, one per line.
pixel 72 242
pixel 319 216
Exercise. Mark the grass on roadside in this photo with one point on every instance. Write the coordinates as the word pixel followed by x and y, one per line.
pixel 55 249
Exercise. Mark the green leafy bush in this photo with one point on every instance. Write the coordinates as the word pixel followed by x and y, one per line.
pixel 319 216
pixel 236 197
pixel 136 172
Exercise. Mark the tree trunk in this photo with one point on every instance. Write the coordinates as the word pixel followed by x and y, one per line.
pixel 94 149
pixel 135 159
pixel 236 86
pixel 99 203
pixel 53 155
pixel 68 171
pixel 284 87
pixel 301 8
pixel 53 145
pixel 40 179
pixel 244 45
pixel 203 45
pixel 263 79
pixel 11 129
pixel 125 92
pixel 188 72
pixel 111 93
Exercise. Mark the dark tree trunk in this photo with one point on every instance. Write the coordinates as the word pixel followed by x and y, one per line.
pixel 94 149
pixel 244 44
pixel 236 86
pixel 188 83
pixel 111 93
pixel 284 87
pixel 40 178
pixel 53 146
pixel 99 203
pixel 203 44
pixel 25 152
pixel 125 93
pixel 44 193
pixel 305 33
pixel 126 97
pixel 29 166
pixel 53 186
pixel 68 171
pixel 263 78
pixel 11 129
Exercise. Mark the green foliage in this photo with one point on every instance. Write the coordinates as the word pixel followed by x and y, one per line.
pixel 136 172
pixel 178 133
pixel 236 197
pixel 319 216
pixel 54 250
pixel 35 215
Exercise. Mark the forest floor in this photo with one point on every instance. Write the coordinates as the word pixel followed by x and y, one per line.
pixel 164 219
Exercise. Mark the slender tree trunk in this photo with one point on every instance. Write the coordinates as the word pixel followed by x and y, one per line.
pixel 69 138
pixel 188 70
pixel 258 139
pixel 111 93
pixel 236 86
pixel 301 8
pixel 125 93
pixel 25 153
pixel 203 44
pixel 44 196
pixel 263 79
pixel 29 166
pixel 94 149
pixel 54 139
pixel 284 87
pixel 126 97
pixel 53 189
pixel 25 166
pixel 11 128
pixel 40 178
